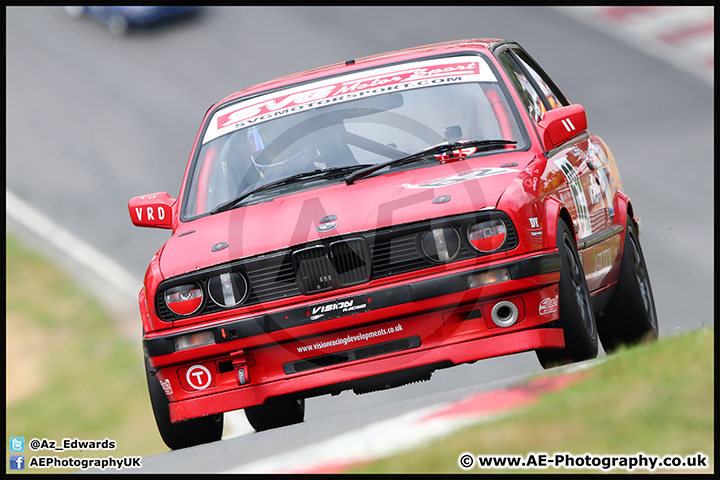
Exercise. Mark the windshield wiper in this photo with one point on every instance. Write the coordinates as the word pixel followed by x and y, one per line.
pixel 434 150
pixel 326 172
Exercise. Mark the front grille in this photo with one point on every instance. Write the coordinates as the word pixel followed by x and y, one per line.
pixel 314 270
pixel 392 256
pixel 351 260
pixel 342 264
pixel 350 355
pixel 271 279
pixel 336 262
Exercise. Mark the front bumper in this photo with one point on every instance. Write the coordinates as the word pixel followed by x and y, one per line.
pixel 429 323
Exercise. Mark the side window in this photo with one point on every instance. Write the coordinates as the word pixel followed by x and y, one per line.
pixel 551 93
pixel 530 97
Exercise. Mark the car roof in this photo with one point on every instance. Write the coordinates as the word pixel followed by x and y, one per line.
pixel 348 66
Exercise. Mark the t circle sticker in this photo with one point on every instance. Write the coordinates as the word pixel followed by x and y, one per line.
pixel 198 377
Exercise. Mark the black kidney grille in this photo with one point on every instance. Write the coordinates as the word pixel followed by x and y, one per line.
pixel 341 264
pixel 351 260
pixel 313 270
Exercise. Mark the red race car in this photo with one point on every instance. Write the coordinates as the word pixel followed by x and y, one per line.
pixel 361 225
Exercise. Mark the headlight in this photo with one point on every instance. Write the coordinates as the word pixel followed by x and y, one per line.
pixel 228 289
pixel 184 299
pixel 440 244
pixel 487 236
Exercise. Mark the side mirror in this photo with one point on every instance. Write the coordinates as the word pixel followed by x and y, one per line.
pixel 561 124
pixel 153 210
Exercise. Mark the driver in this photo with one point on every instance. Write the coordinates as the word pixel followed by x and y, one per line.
pixel 317 150
pixel 328 147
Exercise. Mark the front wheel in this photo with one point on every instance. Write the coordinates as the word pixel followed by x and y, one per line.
pixel 630 316
pixel 183 434
pixel 276 412
pixel 576 314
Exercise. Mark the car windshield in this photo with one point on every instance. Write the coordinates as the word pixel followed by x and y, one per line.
pixel 346 124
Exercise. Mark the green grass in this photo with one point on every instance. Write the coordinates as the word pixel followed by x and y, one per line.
pixel 657 399
pixel 69 371
pixel 71 374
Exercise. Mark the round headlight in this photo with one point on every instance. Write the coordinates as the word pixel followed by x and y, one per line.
pixel 487 236
pixel 184 299
pixel 228 289
pixel 440 244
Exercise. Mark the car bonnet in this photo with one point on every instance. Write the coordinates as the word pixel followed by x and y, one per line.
pixel 341 210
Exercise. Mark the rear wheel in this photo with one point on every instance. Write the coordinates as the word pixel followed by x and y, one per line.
pixel 576 314
pixel 630 316
pixel 183 434
pixel 276 412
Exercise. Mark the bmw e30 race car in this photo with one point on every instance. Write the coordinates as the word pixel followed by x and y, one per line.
pixel 361 225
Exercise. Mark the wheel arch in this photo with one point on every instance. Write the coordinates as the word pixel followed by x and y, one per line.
pixel 625 212
pixel 555 212
pixel 144 316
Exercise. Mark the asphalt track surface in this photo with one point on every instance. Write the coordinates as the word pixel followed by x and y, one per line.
pixel 93 120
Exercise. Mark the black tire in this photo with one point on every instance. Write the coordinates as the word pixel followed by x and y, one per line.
pixel 276 412
pixel 577 318
pixel 630 316
pixel 182 434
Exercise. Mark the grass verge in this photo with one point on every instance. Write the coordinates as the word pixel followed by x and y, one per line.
pixel 657 399
pixel 69 372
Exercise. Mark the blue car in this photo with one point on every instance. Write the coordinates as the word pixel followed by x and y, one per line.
pixel 119 19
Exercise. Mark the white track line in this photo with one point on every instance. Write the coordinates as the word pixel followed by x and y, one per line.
pixel 374 441
pixel 81 252
pixel 395 435
pixel 364 444
pixel 118 279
